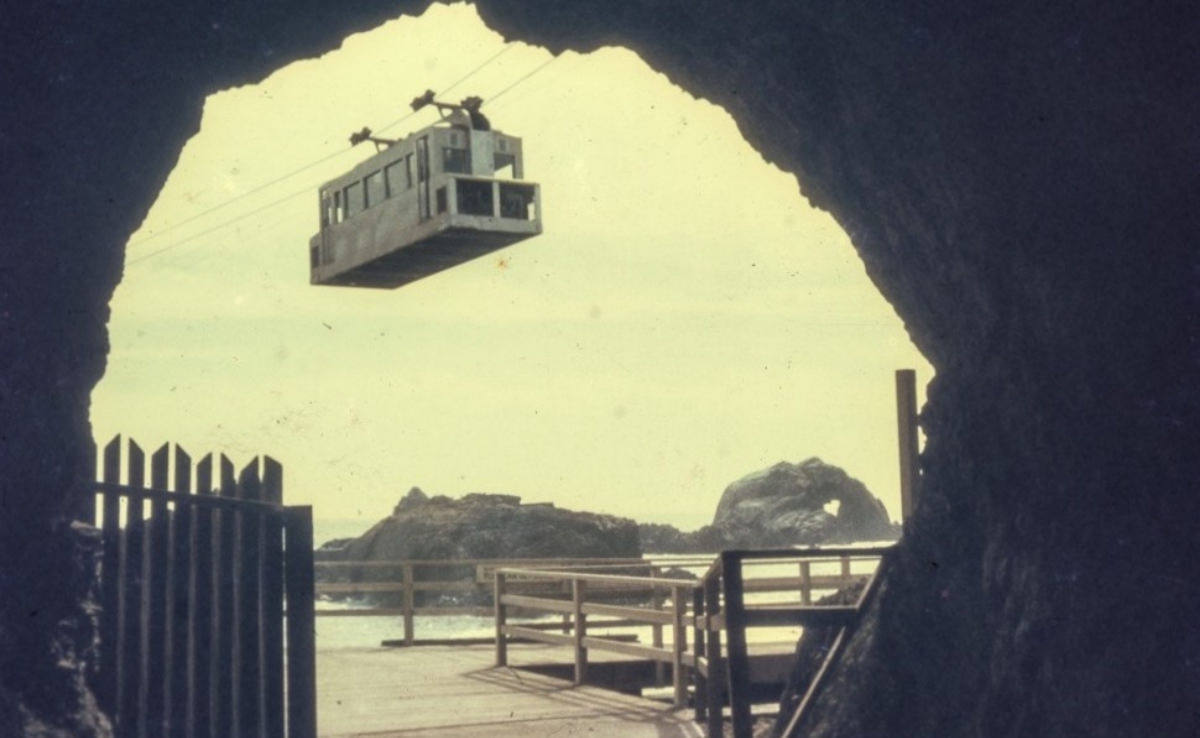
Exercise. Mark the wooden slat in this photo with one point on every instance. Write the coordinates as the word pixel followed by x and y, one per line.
pixel 272 619
pixel 678 646
pixel 367 587
pixel 368 613
pixel 201 645
pixel 715 678
pixel 301 646
pixel 108 679
pixel 737 655
pixel 248 691
pixel 760 616
pixel 130 711
pixel 638 614
pixel 179 601
pixel 908 437
pixel 629 649
pixel 272 481
pixel 710 623
pixel 273 632
pixel 812 553
pixel 788 584
pixel 490 564
pixel 409 604
pixel 700 698
pixel 579 632
pixel 555 639
pixel 156 583
pixel 501 618
pixel 633 584
pixel 806 583
pixel 224 655
pixel 538 603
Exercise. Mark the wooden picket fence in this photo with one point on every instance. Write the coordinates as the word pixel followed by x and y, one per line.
pixel 206 590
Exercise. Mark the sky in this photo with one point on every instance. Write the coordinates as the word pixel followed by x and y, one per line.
pixel 685 319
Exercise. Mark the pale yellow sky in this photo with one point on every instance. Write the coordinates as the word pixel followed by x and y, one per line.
pixel 685 319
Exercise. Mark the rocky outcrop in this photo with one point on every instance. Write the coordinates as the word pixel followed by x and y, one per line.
pixel 785 505
pixel 809 502
pixel 490 526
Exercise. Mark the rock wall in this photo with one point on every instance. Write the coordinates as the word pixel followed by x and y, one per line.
pixel 1020 180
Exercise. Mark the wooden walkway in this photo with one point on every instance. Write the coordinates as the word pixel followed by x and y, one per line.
pixel 456 691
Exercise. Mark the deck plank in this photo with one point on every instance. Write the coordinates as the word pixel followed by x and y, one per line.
pixel 455 691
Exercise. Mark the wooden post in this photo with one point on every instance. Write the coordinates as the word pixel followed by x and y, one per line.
pixel 699 681
pixel 678 644
pixel 180 603
pixel 272 632
pixel 716 668
pixel 156 582
pixel 132 684
pixel 202 587
pixel 656 630
pixel 906 420
pixel 301 628
pixel 272 602
pixel 735 632
pixel 224 652
pixel 109 677
pixel 409 600
pixel 248 696
pixel 845 571
pixel 805 583
pixel 578 593
pixel 501 621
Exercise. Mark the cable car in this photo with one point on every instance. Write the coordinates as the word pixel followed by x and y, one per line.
pixel 440 197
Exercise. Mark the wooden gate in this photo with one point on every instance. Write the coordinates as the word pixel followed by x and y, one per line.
pixel 196 569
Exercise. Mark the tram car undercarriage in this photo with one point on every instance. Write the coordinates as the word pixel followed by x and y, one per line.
pixel 440 197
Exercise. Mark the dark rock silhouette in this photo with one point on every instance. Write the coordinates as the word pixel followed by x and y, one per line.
pixel 490 526
pixel 784 505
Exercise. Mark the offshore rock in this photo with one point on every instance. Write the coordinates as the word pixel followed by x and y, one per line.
pixel 790 504
pixel 491 526
pixel 784 505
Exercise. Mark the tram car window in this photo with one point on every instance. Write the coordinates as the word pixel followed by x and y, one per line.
pixel 443 196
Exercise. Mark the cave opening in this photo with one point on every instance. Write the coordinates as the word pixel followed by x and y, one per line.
pixel 1019 182
pixel 686 318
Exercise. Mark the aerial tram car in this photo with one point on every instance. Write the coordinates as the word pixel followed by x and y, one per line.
pixel 440 197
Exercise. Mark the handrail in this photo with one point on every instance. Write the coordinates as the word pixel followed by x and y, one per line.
pixel 458 575
pixel 576 613
pixel 571 576
pixel 718 607
pixel 725 610
pixel 834 653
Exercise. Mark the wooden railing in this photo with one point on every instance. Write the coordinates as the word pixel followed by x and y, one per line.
pixel 721 608
pixel 410 582
pixel 667 607
pixel 724 604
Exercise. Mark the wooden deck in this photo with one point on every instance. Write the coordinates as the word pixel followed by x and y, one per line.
pixel 455 691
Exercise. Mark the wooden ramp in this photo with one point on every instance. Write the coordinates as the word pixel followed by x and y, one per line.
pixel 455 691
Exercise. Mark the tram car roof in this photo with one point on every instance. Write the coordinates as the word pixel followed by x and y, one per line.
pixel 440 197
